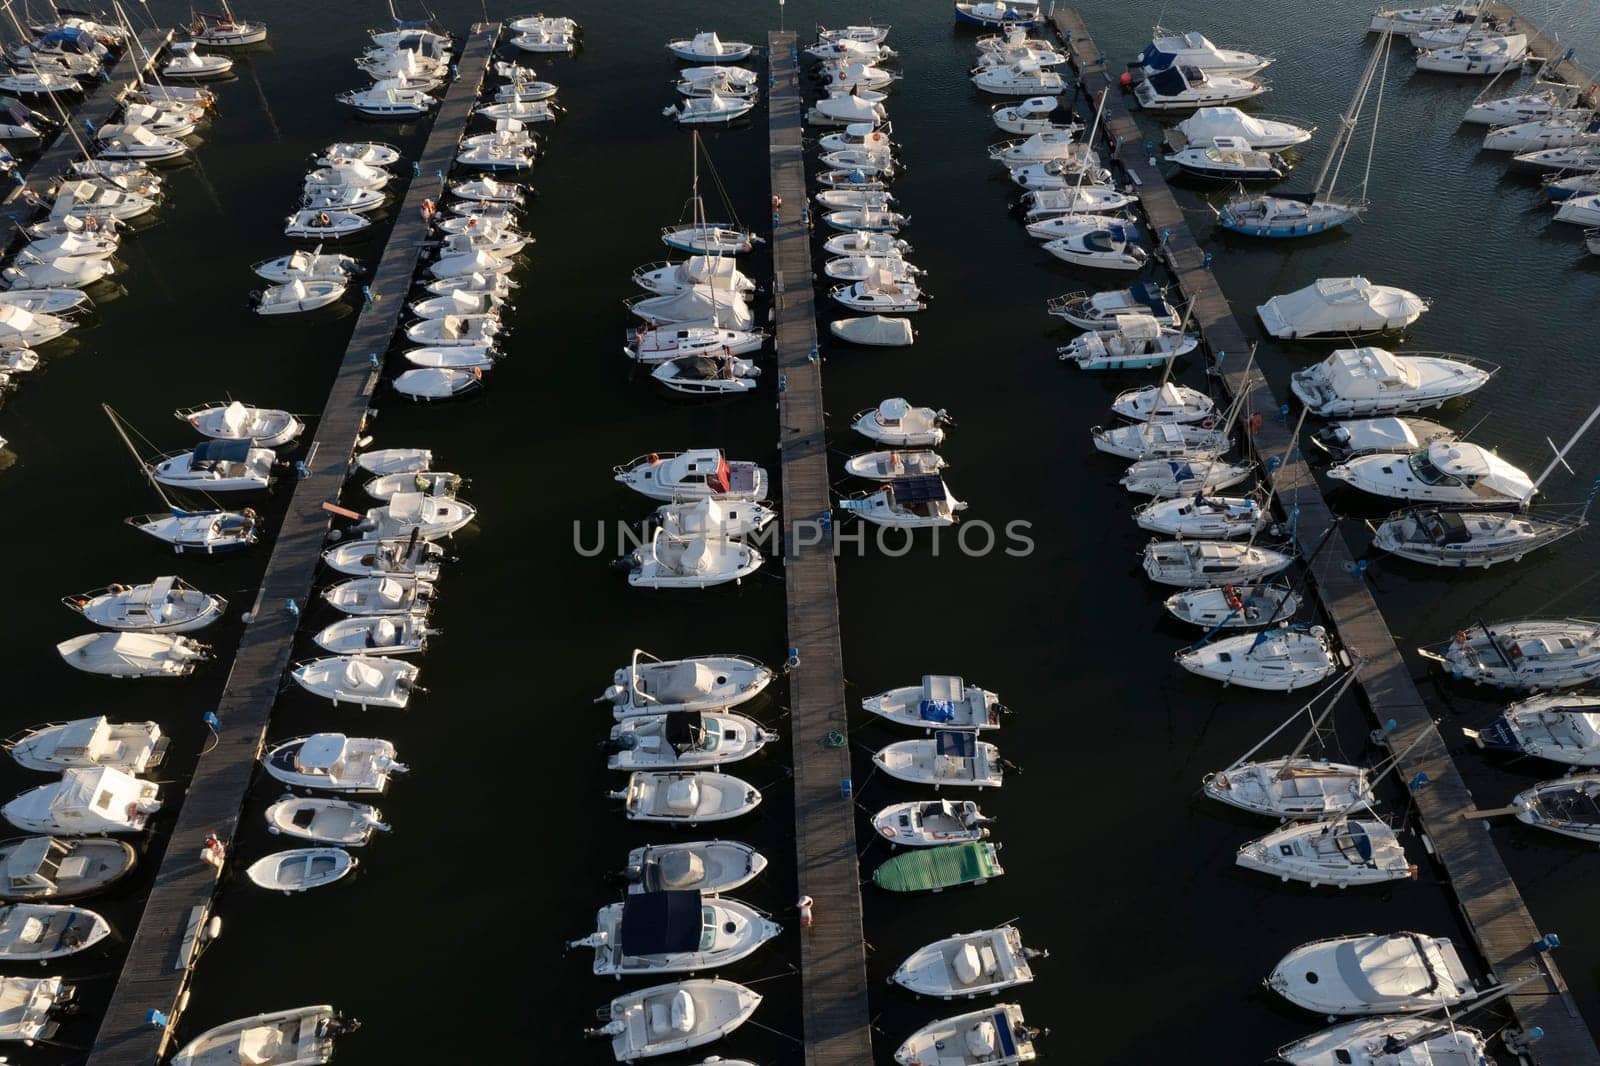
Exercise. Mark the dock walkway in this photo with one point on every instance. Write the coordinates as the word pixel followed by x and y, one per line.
pixel 1490 902
pixel 833 950
pixel 1557 66
pixel 162 952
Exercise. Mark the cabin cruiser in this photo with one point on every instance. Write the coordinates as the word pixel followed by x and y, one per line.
pixel 1036 114
pixel 689 562
pixel 1080 167
pixel 1263 135
pixel 387 99
pixel 1133 342
pixel 1037 204
pixel 895 422
pixel 709 866
pixel 45 867
pixel 1274 660
pixel 1020 79
pixel 133 654
pixel 379 595
pixel 1373 974
pixel 84 198
pixel 1195 50
pixel 1231 159
pixel 991 1035
pixel 1452 472
pixel 1180 87
pixel 713 271
pixel 1353 438
pixel 1389 1041
pixel 1167 479
pixel 217 466
pixel 297 297
pixel 1531 654
pixel 883 291
pixel 666 343
pixel 1101 310
pixel 1563 729
pixel 165 605
pixel 674 931
pixel 929 823
pixel 888 465
pixel 1246 606
pixel 456 330
pixel 210 532
pixel 64 272
pixel 708 47
pixel 949 757
pixel 1343 852
pixel 87 801
pixel 39 932
pixel 1202 516
pixel 1486 55
pixel 359 679
pixel 674 1017
pixel 683 739
pixel 1101 243
pixel 300 1037
pixel 1042 147
pixel 1166 403
pixel 941 700
pixel 650 686
pixel 348 174
pixel 702 472
pixel 999 14
pixel 686 797
pixel 968 964
pixel 137 142
pixel 88 742
pixel 1375 381
pixel 386 634
pixel 1202 564
pixel 1340 307
pixel 333 762
pixel 1298 789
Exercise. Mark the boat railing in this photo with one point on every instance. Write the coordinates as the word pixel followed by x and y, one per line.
pixel 648 459
pixel 1058 304
pixel 1473 361
pixel 23 734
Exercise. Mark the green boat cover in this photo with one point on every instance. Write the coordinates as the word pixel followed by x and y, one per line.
pixel 942 867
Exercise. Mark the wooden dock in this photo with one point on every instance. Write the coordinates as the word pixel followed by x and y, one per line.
pixel 1489 900
pixel 833 961
pixel 161 954
pixel 1552 50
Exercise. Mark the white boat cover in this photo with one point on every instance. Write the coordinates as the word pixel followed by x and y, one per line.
pixel 1340 305
pixel 702 304
pixel 1480 466
pixel 1367 373
pixel 877 330
pixel 1209 123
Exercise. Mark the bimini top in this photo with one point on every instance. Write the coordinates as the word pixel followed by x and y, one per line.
pixel 659 923
pixel 929 488
pixel 1173 79
pixel 960 744
pixel 1477 465
pixel 212 452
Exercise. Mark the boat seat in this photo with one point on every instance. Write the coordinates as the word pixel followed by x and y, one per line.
pixel 262 1045
pixel 991 964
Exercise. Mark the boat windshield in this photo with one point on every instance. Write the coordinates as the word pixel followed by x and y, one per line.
pixel 1426 472
pixel 708 928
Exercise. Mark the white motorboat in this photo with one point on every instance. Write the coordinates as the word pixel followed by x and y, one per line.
pixel 307 266
pixel 371 556
pixel 87 801
pixel 208 532
pixel 348 174
pixel 381 461
pixel 984 962
pixel 525 91
pixel 907 503
pixel 359 679
pixel 325 821
pixel 1388 1041
pixel 1581 158
pixel 1101 310
pixel 708 866
pixel 1132 342
pixel 674 931
pixel 429 482
pixel 163 120
pixel 1375 381
pixel 889 465
pixel 1231 159
pixel 1038 204
pixel 452 271
pixel 1178 480
pixel 941 700
pixel 865 137
pixel 1529 655
pixel 45 867
pixel 297 296
pixel 1373 974
pixel 1340 307
pixel 1557 131
pixel 667 343
pixel 1020 79
pixel 350 198
pixel 133 654
pixel 674 1017
pixel 137 142
pixel 1041 147
pixel 388 99
pixel 864 243
pixel 387 634
pixel 992 1035
pixel 431 516
pixel 683 739
pixel 325 225
pixel 953 757
pixel 1452 472
pixel 858 34
pixel 20 328
pixel 41 83
pixel 502 240
pixel 488 213
pixel 1180 87
pixel 558 23
pixel 698 305
pixel 709 48
pixel 868 199
pixel 689 562
pixel 1563 729
pixel 66 272
pixel 300 1037
pixel 371 153
pixel 1580 210
pixel 896 423
pixel 186 64
pixel 1037 114
pixel 1569 806
pixel 1080 167
pixel 1343 853
pixel 456 330
pixel 706 375
pixel 1100 243
pixel 877 331
pixel 695 474
pixel 39 301
pixel 380 595
pixel 28 1005
pixel 850 77
pixel 217 466
pixel 165 605
pixel 882 292
pixel 1195 49
pixel 710 238
pixel 1483 56
pixel 999 14
pixel 545 40
pixel 929 823
pixel 713 271
pixel 85 200
pixel 866 219
pixel 686 797
pixel 1261 134
pixel 433 384
pixel 652 686
pixel 527 112
pixel 1245 606
pixel 39 932
pixel 863 49
pixel 857 169
pixel 1202 516
pixel 333 762
pixel 1274 660
pixel 301 869
pixel 1297 789
pixel 1349 439
pixel 1166 403
pixel 88 742
pixel 1202 564
pixel 457 302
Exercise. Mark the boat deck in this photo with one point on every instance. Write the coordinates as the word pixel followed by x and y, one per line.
pixel 833 961
pixel 160 963
pixel 1489 900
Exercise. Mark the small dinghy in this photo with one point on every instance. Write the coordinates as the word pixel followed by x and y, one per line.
pixel 300 1037
pixel 263 427
pixel 1391 1041
pixel 1201 564
pixel 1234 606
pixel 1133 342
pixel 383 461
pixel 188 65
pixel 708 866
pixel 325 225
pixel 86 802
pixel 1341 853
pixel 648 685
pixel 401 634
pixel 1101 243
pixel 709 48
pixel 708 110
pixel 1301 789
pixel 1037 114
pixel 380 595
pixel 667 343
pixel 1181 87
pixel 1171 479
pixel 874 331
pixel 1340 308
pixel 674 931
pixel 907 503
pixel 674 1017
pixel 1273 660
pixel 985 962
pixel 888 465
pixel 87 742
pixel 941 700
pixel 333 762
pixel 1202 516
pixel 1168 403
pixel 297 297
pixel 1354 382
pixel 438 383
pixel 165 605
pixel 217 466
pixel 432 516
pixel 683 739
pixel 39 932
pixel 133 654
pixel 994 1035
pixel 301 869
pixel 325 821
pixel 1452 473
pixel 369 557
pixel 696 562
pixel 358 679
pixel 936 869
pixel 1346 440
pixel 698 474
pixel 208 532
pixel 1023 78
pixel 949 757
pixel 44 867
pixel 1383 973
pixel 388 99
pixel 1563 729
pixel 704 375
pixel 428 482
pixel 929 823
pixel 895 422
pixel 686 797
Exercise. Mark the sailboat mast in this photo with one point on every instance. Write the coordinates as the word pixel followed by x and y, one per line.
pixel 1347 121
pixel 144 468
pixel 1561 455
pixel 1333 701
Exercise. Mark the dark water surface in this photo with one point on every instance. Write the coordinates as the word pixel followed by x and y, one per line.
pixel 447 943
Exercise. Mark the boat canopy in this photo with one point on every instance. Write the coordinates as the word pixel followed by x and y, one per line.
pixel 660 923
pixel 1480 466
pixel 956 744
pixel 1138 327
pixel 926 488
pixel 210 453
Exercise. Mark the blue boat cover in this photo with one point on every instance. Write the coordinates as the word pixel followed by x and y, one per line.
pixel 1121 231
pixel 928 488
pixel 221 451
pixel 936 710
pixel 1167 82
pixel 1181 470
pixel 1497 736
pixel 1152 57
pixel 1002 1028
pixel 655 923
pixel 71 39
pixel 952 742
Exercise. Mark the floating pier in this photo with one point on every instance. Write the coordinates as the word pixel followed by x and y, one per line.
pixel 833 960
pixel 1490 903
pixel 1557 66
pixel 162 953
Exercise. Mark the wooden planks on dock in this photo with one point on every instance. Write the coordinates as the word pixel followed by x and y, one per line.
pixel 156 972
pixel 1490 902
pixel 1557 66
pixel 833 963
